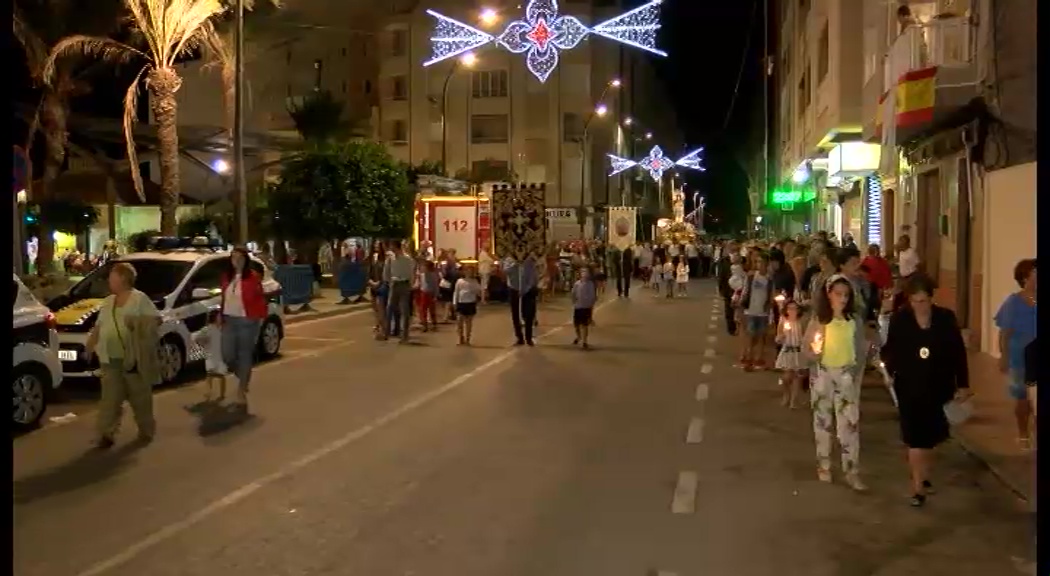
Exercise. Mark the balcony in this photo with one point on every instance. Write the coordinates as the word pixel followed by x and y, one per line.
pixel 947 44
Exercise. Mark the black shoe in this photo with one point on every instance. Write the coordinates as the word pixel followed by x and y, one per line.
pixel 928 487
pixel 576 341
pixel 519 343
pixel 918 500
pixel 530 342
pixel 104 443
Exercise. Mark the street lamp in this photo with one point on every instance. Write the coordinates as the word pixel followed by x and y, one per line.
pixel 468 60
pixel 648 135
pixel 220 166
pixel 600 110
pixel 488 16
pixel 628 121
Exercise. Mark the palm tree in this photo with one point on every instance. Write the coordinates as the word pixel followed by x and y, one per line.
pixel 38 25
pixel 169 30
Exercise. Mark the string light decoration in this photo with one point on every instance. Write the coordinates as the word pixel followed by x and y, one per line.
pixel 874 210
pixel 543 33
pixel 656 163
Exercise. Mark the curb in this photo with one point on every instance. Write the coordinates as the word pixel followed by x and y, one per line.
pixel 296 317
pixel 1003 478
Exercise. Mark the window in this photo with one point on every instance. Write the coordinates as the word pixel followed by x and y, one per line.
pixel 368 86
pixel 398 88
pixel 490 170
pixel 803 93
pixel 157 278
pixel 209 275
pixel 343 52
pixel 572 127
pixel 318 68
pixel 397 131
pixel 344 86
pixel 823 55
pixel 288 57
pixel 398 43
pixel 489 84
pixel 488 128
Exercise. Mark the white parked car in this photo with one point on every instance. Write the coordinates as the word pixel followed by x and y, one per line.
pixel 37 369
pixel 184 284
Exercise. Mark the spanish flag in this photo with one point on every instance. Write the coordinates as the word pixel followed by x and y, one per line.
pixel 916 93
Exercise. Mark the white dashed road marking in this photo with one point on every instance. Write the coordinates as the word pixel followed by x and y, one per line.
pixel 684 501
pixel 706 369
pixel 709 353
pixel 714 318
pixel 702 391
pixel 712 339
pixel 710 326
pixel 695 433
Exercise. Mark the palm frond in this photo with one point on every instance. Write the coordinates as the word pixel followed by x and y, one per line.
pixel 185 22
pixel 100 48
pixel 131 106
pixel 34 46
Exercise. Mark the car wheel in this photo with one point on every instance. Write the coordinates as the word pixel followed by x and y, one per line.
pixel 171 360
pixel 30 386
pixel 269 339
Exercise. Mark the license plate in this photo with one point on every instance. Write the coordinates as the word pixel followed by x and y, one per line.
pixel 70 355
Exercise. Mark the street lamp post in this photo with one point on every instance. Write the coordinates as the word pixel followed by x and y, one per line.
pixel 239 185
pixel 600 110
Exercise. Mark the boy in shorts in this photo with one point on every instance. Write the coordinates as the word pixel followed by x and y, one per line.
pixel 584 296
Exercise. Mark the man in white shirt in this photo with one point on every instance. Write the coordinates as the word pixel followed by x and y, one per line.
pixel 692 254
pixel 907 257
pixel 398 273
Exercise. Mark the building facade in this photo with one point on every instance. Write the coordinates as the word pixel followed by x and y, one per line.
pixel 913 118
pixel 488 118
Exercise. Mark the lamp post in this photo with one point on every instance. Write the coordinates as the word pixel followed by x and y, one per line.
pixel 600 110
pixel 239 185
pixel 468 60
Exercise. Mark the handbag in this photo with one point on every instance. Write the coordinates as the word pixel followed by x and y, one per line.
pixel 133 369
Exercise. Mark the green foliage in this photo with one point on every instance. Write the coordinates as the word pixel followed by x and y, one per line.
pixel 139 241
pixel 64 216
pixel 197 225
pixel 319 118
pixel 340 190
pixel 425 168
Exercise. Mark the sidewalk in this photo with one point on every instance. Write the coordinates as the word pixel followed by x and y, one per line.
pixel 323 305
pixel 990 435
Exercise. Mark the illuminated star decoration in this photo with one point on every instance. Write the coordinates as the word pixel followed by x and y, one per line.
pixel 543 33
pixel 656 163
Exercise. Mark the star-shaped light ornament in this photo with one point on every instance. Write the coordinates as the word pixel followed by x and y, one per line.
pixel 544 33
pixel 656 163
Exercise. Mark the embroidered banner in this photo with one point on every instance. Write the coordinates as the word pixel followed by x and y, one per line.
pixel 622 226
pixel 520 223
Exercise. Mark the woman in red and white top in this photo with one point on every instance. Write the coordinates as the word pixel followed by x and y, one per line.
pixel 243 311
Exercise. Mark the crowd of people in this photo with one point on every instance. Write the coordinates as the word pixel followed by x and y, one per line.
pixel 829 316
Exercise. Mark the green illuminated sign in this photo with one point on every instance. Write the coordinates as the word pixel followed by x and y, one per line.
pixel 786 196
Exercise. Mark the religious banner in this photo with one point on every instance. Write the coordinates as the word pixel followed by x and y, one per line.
pixel 519 220
pixel 622 226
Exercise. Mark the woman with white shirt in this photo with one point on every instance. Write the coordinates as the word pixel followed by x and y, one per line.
pixel 465 295
pixel 243 311
pixel 485 263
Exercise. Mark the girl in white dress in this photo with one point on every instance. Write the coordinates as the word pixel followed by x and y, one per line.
pixel 656 276
pixel 789 337
pixel 682 277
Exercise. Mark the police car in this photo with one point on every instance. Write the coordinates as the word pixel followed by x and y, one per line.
pixel 37 369
pixel 182 277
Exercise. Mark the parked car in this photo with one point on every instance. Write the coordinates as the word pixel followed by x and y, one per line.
pixel 37 369
pixel 183 280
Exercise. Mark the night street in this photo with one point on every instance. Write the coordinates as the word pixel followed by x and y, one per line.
pixel 648 455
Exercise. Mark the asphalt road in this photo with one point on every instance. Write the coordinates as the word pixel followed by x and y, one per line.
pixel 647 455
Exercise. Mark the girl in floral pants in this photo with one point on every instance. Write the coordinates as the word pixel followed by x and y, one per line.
pixel 831 343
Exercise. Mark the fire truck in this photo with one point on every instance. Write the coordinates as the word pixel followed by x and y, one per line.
pixel 452 214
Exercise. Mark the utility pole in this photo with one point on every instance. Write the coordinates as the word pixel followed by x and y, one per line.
pixel 767 66
pixel 239 185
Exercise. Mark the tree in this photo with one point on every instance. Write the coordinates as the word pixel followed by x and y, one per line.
pixel 169 30
pixel 38 25
pixel 339 190
pixel 318 118
pixel 61 215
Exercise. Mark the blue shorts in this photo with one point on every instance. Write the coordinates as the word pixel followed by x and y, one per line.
pixel 757 325
pixel 1017 388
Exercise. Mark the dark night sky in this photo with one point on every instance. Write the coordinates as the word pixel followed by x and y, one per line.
pixel 706 44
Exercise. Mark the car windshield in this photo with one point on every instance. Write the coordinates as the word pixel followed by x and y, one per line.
pixel 156 278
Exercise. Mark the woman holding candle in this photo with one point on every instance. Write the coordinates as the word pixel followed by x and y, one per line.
pixel 831 343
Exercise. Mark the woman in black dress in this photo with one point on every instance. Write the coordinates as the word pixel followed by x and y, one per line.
pixel 925 355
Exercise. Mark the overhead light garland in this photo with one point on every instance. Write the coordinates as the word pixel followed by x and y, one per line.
pixel 543 33
pixel 656 163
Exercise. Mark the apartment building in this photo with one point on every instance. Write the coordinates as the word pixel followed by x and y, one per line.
pixel 305 47
pixel 949 95
pixel 490 116
pixel 816 100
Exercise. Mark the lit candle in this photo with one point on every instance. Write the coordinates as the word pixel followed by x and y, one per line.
pixel 787 326
pixel 818 343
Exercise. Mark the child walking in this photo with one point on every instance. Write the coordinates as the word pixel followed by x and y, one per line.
pixel 668 276
pixel 655 276
pixel 584 295
pixel 210 338
pixel 682 277
pixel 789 337
pixel 429 282
pixel 831 343
pixel 757 303
pixel 737 281
pixel 465 295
